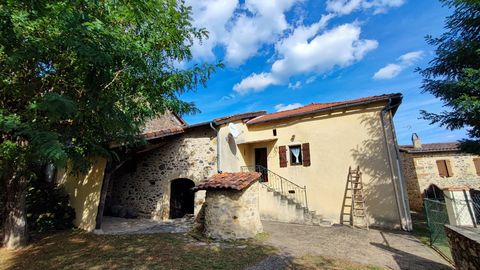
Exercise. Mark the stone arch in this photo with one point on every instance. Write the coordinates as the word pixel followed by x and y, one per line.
pixel 182 197
pixel 433 192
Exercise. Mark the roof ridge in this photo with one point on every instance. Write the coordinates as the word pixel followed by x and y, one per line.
pixel 321 106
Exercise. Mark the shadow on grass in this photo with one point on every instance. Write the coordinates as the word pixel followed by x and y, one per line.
pixel 79 250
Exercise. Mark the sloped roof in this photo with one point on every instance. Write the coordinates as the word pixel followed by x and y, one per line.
pixel 230 118
pixel 233 181
pixel 431 147
pixel 164 125
pixel 319 107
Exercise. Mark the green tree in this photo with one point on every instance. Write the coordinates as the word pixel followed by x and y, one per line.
pixel 454 73
pixel 77 75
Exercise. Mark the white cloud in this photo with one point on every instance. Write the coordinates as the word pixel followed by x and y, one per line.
pixel 241 29
pixel 282 107
pixel 308 51
pixel 392 70
pixel 212 15
pixel 411 57
pixel 311 79
pixel 387 72
pixel 295 85
pixel 255 82
pixel 262 22
pixel 345 7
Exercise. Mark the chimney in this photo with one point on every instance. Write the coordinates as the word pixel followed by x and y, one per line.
pixel 416 141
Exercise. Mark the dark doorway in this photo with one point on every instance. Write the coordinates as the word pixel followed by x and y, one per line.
pixel 434 193
pixel 181 198
pixel 261 162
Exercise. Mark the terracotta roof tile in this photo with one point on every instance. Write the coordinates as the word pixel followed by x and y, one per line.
pixel 240 116
pixel 431 147
pixel 317 107
pixel 162 133
pixel 235 181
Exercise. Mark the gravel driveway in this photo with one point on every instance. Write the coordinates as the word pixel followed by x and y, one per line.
pixel 390 249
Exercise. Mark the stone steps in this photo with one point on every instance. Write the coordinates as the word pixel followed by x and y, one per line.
pixel 309 217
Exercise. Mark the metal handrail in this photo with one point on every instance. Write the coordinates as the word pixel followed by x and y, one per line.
pixel 281 185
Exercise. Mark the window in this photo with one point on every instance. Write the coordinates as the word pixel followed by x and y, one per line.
pixel 444 168
pixel 295 155
pixel 476 162
pixel 274 132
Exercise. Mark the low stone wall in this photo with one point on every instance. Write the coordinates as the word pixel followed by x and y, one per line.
pixel 231 214
pixel 465 247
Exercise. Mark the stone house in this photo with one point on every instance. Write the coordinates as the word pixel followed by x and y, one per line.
pixel 303 155
pixel 432 168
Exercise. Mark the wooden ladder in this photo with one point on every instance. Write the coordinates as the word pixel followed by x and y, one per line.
pixel 355 195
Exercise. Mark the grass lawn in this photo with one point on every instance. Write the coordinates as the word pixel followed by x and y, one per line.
pixel 79 250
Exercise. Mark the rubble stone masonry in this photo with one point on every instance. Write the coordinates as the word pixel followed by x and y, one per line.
pixel 465 246
pixel 145 186
pixel 420 171
pixel 232 214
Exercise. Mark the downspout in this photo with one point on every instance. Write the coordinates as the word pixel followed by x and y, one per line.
pixel 217 131
pixel 403 183
pixel 400 202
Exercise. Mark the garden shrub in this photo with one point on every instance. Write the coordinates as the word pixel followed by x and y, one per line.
pixel 48 207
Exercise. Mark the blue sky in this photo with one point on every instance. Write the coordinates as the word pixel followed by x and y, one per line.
pixel 282 54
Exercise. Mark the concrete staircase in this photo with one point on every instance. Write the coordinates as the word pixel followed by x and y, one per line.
pixel 284 201
pixel 274 206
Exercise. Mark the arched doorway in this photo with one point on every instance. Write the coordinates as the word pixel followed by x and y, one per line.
pixel 181 197
pixel 434 193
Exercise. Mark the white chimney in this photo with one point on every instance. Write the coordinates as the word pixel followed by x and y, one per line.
pixel 416 141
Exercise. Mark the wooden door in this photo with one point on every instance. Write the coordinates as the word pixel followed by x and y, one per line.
pixel 261 160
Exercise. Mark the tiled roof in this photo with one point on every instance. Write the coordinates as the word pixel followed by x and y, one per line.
pixel 234 181
pixel 431 147
pixel 318 107
pixel 240 116
pixel 162 133
pixel 230 118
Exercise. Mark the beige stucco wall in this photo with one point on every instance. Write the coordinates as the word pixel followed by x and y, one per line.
pixel 337 140
pixel 421 171
pixel 84 192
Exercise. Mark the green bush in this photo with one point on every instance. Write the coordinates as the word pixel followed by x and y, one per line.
pixel 48 207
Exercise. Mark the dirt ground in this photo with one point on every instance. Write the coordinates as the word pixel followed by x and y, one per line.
pixel 390 249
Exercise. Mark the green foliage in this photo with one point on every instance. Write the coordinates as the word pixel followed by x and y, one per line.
pixel 454 73
pixel 48 207
pixel 78 75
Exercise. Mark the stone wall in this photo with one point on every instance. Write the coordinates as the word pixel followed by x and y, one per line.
pixel 421 171
pixel 144 186
pixel 465 247
pixel 231 214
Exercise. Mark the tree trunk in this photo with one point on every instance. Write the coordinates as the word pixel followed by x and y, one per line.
pixel 15 224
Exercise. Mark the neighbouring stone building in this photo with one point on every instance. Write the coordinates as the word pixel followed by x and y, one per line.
pixel 438 164
pixel 232 205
